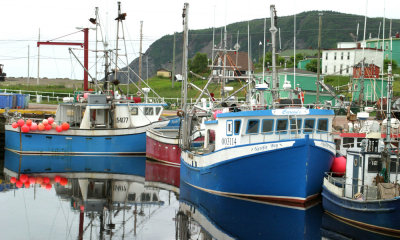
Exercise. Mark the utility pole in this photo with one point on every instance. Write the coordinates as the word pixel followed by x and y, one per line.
pixel 173 63
pixel 28 64
pixel 38 61
pixel 140 54
pixel 319 57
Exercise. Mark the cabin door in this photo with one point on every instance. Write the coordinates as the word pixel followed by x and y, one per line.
pixel 356 170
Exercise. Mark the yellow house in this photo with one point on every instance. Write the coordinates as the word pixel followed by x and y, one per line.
pixel 163 73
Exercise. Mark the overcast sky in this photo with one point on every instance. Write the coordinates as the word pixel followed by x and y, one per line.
pixel 22 19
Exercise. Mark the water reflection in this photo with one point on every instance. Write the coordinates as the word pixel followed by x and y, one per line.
pixel 111 204
pixel 222 217
pixel 72 197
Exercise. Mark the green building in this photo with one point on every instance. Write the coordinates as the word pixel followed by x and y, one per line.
pixel 302 79
pixel 390 52
pixel 303 63
pixel 306 81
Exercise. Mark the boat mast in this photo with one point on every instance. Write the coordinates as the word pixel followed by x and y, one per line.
pixel 186 125
pixel 273 30
pixel 361 95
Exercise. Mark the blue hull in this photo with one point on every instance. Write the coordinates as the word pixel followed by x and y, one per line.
pixel 379 216
pixel 47 143
pixel 291 175
pixel 241 219
pixel 134 165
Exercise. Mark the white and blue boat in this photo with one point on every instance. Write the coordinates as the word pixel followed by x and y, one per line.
pixel 100 126
pixel 275 154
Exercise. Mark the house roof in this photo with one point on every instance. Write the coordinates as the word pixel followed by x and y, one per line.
pixel 163 69
pixel 242 60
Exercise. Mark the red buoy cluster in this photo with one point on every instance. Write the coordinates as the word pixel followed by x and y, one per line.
pixel 45 125
pixel 45 182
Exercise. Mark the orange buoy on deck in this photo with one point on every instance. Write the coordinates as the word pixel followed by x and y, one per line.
pixel 339 165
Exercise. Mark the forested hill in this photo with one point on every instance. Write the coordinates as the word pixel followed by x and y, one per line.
pixel 336 27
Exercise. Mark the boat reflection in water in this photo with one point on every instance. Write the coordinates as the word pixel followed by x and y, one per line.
pixel 223 217
pixel 112 204
pixel 336 229
pixel 162 175
pixel 134 165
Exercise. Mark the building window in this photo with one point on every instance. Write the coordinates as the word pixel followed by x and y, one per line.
pixel 387 46
pixel 326 56
pixel 347 69
pixel 341 55
pixel 326 68
pixel 341 66
pixel 334 56
pixel 348 55
pixel 334 69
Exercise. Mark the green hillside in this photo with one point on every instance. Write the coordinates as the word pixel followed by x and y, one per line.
pixel 336 27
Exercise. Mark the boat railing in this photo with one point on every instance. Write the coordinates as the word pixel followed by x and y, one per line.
pixel 339 185
pixel 300 133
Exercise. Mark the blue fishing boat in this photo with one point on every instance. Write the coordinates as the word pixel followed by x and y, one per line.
pixel 367 196
pixel 275 152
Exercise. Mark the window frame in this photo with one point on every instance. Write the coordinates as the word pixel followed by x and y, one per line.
pixel 229 122
pixel 304 126
pixel 234 126
pixel 258 126
pixel 327 125
pixel 272 129
pixel 281 132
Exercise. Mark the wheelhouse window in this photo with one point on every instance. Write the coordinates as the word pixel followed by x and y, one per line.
pixel 148 111
pixel 267 126
pixel 281 126
pixel 252 126
pixel 295 124
pixel 134 111
pixel 229 127
pixel 348 142
pixel 322 125
pixel 309 125
pixel 158 109
pixel 236 127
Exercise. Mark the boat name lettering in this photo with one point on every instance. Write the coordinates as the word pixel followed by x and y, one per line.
pixel 229 141
pixel 119 188
pixel 268 147
pixel 290 111
pixel 122 119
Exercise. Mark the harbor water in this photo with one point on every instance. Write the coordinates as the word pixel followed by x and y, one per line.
pixel 134 198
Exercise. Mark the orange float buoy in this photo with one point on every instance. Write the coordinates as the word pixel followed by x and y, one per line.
pixel 47 127
pixel 339 165
pixel 21 122
pixel 29 122
pixel 65 126
pixel 14 125
pixel 48 186
pixel 23 178
pixel 50 120
pixel 34 126
pixel 19 184
pixel 46 180
pixel 82 208
pixel 13 180
pixel 39 180
pixel 32 180
pixel 63 181
pixel 57 179
pixel 45 122
pixel 25 128
pixel 41 126
pixel 27 185
pixel 59 129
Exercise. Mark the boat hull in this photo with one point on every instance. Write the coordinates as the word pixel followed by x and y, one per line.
pixel 377 216
pixel 79 141
pixel 286 172
pixel 163 148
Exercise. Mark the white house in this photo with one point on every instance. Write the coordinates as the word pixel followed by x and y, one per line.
pixel 340 61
